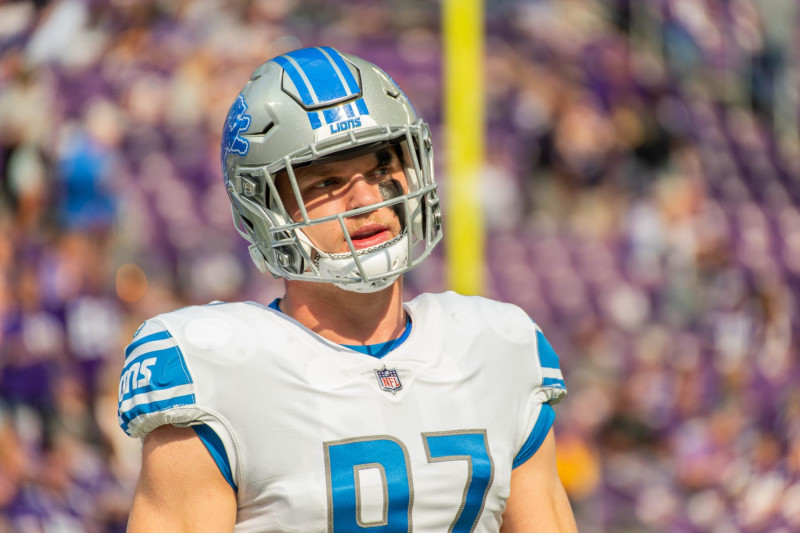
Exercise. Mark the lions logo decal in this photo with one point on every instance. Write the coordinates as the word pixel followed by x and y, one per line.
pixel 237 122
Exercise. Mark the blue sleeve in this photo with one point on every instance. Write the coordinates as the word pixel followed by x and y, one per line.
pixel 547 393
pixel 543 424
pixel 215 447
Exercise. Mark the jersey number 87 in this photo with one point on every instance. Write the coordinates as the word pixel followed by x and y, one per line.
pixel 347 460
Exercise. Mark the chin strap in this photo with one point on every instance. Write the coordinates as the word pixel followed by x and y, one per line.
pixel 374 261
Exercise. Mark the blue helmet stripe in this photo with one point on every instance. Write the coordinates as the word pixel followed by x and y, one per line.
pixel 342 69
pixel 315 67
pixel 362 107
pixel 321 75
pixel 334 115
pixel 313 117
pixel 298 79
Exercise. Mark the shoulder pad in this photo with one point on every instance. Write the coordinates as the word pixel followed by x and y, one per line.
pixel 154 379
pixel 553 384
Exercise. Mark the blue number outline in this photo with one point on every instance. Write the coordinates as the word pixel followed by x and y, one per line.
pixel 456 438
pixel 384 485
pixel 440 446
pixel 329 480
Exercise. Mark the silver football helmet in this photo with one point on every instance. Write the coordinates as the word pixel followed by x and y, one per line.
pixel 318 105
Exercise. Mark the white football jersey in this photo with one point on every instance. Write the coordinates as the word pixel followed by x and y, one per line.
pixel 318 437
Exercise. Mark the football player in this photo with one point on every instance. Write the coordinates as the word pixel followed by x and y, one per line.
pixel 339 407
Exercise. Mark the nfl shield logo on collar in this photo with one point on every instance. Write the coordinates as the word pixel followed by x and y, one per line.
pixel 388 379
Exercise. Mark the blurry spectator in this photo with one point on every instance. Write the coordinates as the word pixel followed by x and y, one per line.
pixel 86 168
pixel 642 201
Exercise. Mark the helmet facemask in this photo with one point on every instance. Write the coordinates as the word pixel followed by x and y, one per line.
pixel 281 245
pixel 307 107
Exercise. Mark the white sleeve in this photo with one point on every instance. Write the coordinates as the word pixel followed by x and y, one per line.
pixel 547 391
pixel 155 387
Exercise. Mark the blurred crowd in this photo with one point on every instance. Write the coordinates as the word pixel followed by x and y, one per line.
pixel 642 189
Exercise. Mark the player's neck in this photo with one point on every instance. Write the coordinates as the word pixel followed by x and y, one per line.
pixel 346 317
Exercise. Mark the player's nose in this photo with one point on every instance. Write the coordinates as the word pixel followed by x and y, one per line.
pixel 363 192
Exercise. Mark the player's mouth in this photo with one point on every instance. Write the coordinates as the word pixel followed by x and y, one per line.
pixel 370 235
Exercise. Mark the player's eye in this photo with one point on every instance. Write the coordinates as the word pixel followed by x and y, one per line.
pixel 381 172
pixel 324 183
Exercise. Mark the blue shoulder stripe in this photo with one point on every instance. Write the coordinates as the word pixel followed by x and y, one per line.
pixel 153 407
pixel 554 382
pixel 152 371
pixel 155 378
pixel 543 424
pixel 547 356
pixel 158 336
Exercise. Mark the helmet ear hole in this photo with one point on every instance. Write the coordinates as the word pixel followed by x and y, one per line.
pixel 266 129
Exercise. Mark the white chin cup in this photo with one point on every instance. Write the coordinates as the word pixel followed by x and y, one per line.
pixel 376 261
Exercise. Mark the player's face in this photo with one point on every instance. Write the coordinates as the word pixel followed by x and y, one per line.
pixel 340 186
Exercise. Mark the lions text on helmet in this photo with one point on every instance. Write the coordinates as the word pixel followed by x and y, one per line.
pixel 304 120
